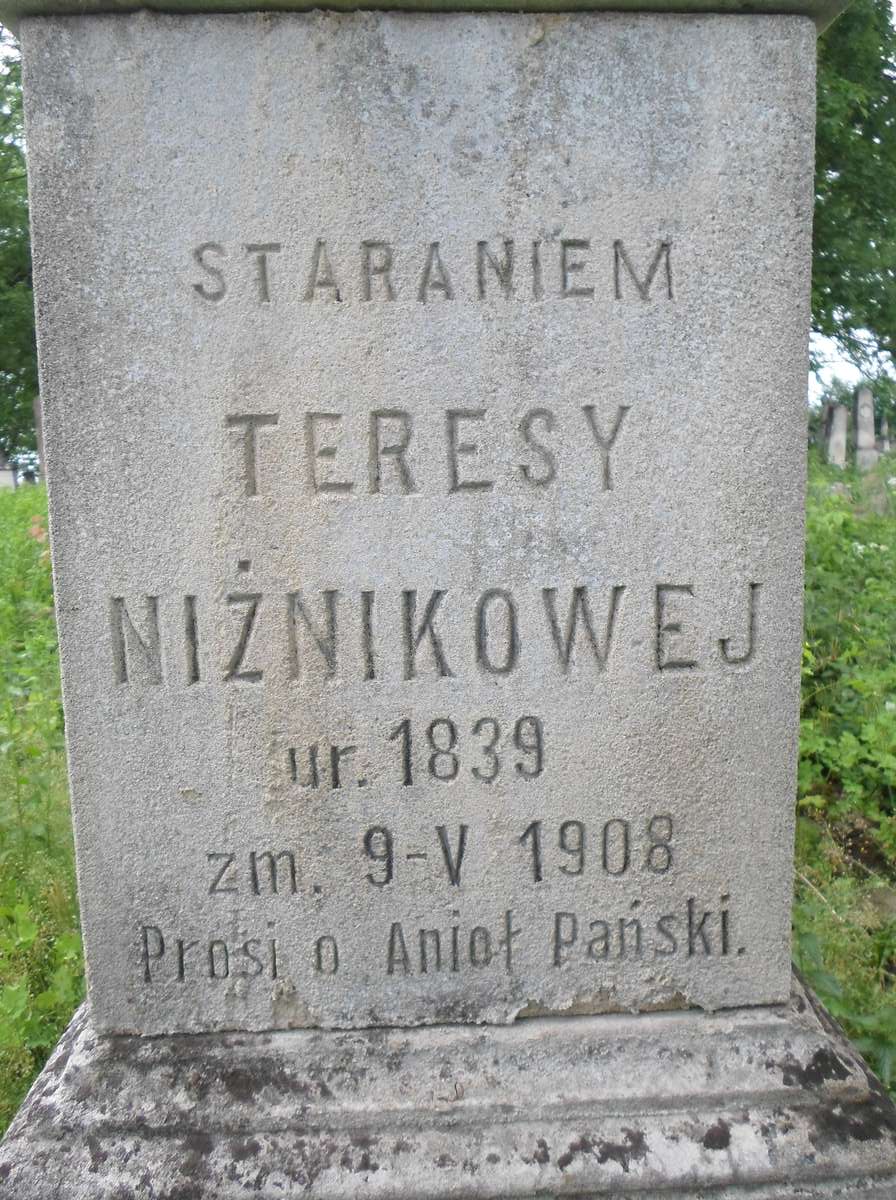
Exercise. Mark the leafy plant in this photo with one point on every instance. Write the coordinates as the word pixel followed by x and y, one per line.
pixel 845 903
pixel 41 971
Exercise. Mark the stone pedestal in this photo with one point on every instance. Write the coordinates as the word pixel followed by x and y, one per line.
pixel 750 1104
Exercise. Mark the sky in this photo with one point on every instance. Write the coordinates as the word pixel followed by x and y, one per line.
pixel 835 365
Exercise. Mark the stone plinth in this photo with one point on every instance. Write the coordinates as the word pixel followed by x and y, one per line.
pixel 753 1104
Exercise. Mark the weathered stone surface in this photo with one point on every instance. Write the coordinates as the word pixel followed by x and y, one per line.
pixel 822 12
pixel 765 1104
pixel 836 437
pixel 527 542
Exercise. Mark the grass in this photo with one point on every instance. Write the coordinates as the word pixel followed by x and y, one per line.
pixel 845 898
pixel 41 975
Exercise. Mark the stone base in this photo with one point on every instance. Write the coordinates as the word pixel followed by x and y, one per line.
pixel 765 1103
pixel 866 460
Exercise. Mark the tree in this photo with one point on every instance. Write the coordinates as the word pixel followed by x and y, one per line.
pixel 18 368
pixel 854 262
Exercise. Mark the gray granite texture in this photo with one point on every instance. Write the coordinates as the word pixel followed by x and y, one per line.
pixel 425 421
pixel 757 1104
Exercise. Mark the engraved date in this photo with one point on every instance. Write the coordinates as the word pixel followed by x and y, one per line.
pixel 524 746
pixel 615 847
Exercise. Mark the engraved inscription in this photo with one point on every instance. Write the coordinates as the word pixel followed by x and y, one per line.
pixel 560 940
pixel 692 932
pixel 326 271
pixel 351 455
pixel 332 636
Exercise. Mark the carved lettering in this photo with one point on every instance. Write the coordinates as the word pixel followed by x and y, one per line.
pixel 453 858
pixel 385 271
pixel 414 633
pixel 222 959
pixel 548 474
pixel 235 665
pixel 361 636
pixel 133 650
pixel 502 268
pixel 511 655
pixel 396 450
pixel 665 658
pixel 695 932
pixel 376 263
pixel 249 424
pixel 321 277
pixel 734 659
pixel 572 266
pixel 217 887
pixel 191 639
pixel 435 277
pixel 580 611
pixel 458 449
pixel 324 639
pixel 199 254
pixel 605 444
pixel 272 860
pixel 316 452
pixel 621 259
pixel 261 250
pixel 477 949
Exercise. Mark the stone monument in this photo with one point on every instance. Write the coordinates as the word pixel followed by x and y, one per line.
pixel 835 444
pixel 867 454
pixel 823 428
pixel 884 436
pixel 7 473
pixel 432 725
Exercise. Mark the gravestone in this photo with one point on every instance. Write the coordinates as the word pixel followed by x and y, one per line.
pixel 835 447
pixel 884 436
pixel 432 728
pixel 823 428
pixel 867 453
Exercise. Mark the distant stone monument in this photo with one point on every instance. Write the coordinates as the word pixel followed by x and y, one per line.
pixel 884 436
pixel 432 723
pixel 823 428
pixel 7 473
pixel 867 454
pixel 835 444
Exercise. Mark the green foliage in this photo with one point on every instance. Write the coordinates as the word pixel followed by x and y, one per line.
pixel 18 367
pixel 845 907
pixel 848 727
pixel 41 974
pixel 854 266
